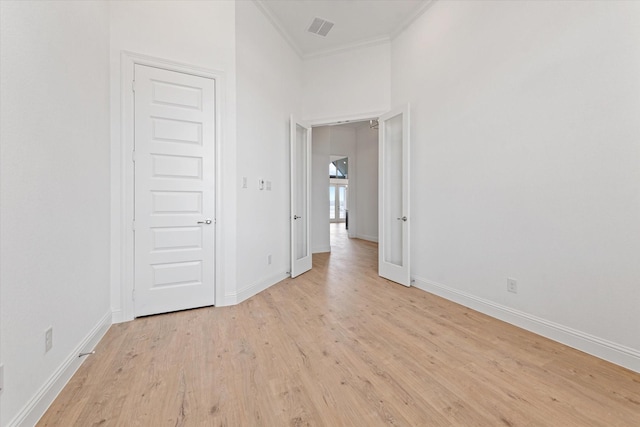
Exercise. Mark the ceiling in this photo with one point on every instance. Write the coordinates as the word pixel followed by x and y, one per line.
pixel 357 22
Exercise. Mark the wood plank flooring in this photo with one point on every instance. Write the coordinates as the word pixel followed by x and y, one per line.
pixel 339 346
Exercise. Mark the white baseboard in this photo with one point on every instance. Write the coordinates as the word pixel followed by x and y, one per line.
pixel 258 287
pixel 369 238
pixel 321 249
pixel 117 316
pixel 598 347
pixel 40 402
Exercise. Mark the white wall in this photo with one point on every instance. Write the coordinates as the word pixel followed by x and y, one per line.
pixel 320 155
pixel 269 79
pixel 525 155
pixel 54 174
pixel 353 84
pixel 196 33
pixel 367 178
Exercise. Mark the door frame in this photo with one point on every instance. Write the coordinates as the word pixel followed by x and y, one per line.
pixel 125 190
pixel 353 181
pixel 354 118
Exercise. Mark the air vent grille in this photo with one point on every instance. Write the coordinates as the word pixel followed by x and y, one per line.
pixel 320 27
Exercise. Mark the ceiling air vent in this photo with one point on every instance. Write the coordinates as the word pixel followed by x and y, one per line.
pixel 320 27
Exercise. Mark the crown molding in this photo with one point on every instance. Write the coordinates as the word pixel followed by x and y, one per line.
pixel 266 11
pixel 412 18
pixel 262 6
pixel 347 47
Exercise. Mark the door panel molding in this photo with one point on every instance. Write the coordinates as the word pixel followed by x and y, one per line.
pixel 122 196
pixel 174 174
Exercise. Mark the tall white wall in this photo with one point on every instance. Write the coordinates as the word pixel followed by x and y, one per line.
pixel 269 79
pixel 525 153
pixel 54 194
pixel 351 84
pixel 195 33
pixel 366 199
pixel 320 157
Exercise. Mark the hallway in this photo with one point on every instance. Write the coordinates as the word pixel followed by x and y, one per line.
pixel 339 346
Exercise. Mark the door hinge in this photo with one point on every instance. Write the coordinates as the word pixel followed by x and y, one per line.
pixel 133 156
pixel 133 85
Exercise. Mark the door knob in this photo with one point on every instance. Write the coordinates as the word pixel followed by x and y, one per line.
pixel 206 221
pixel 404 218
pixel 297 217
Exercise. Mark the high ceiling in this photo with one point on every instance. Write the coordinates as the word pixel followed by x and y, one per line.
pixel 357 22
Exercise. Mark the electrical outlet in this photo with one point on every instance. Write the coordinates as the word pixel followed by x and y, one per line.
pixel 512 285
pixel 48 339
pixel 1 378
pixel 269 259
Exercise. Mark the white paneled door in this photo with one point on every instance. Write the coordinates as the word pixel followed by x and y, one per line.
pixel 174 191
pixel 394 217
pixel 300 197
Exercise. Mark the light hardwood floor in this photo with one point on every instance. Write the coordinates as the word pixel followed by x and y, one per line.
pixel 340 346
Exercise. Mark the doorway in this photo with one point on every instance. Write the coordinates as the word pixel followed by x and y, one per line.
pixel 345 183
pixel 338 200
pixel 338 189
pixel 391 184
pixel 124 290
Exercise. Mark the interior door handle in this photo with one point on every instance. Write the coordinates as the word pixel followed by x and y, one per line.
pixel 404 218
pixel 297 217
pixel 206 221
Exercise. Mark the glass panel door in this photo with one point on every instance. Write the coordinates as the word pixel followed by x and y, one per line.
pixel 332 202
pixel 342 199
pixel 338 202
pixel 393 199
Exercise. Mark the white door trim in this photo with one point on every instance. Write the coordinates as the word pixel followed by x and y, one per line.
pixel 123 192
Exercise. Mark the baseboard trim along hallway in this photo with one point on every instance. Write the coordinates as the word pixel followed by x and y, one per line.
pixel 607 350
pixel 40 402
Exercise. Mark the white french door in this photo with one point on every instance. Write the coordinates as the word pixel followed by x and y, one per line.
pixel 338 202
pixel 393 193
pixel 174 190
pixel 300 166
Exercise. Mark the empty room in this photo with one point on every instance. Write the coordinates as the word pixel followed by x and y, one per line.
pixel 319 213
